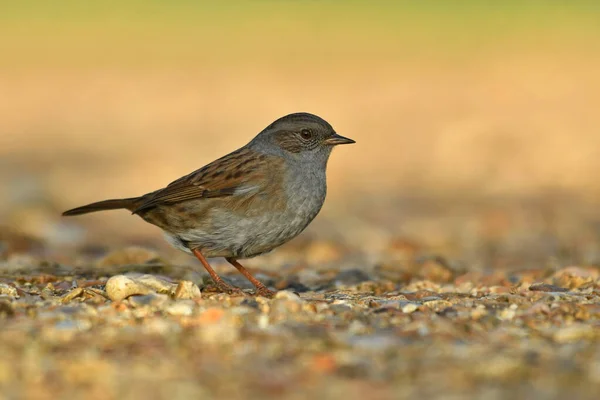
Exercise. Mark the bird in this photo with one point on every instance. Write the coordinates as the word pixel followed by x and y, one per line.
pixel 245 203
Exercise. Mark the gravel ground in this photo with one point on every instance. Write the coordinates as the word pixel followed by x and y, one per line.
pixel 109 329
pixel 456 255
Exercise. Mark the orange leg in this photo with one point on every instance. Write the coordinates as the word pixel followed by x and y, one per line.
pixel 261 289
pixel 220 283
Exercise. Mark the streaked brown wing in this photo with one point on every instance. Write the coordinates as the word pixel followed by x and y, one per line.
pixel 241 172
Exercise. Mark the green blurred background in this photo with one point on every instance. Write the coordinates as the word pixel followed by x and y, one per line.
pixel 477 123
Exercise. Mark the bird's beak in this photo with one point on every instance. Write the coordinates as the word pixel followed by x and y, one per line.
pixel 337 139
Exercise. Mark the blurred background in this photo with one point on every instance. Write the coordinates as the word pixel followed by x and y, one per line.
pixel 477 123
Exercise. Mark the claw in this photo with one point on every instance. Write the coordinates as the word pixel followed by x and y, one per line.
pixel 264 292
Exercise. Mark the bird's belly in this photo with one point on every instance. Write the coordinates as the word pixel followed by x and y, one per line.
pixel 239 237
pixel 248 237
pixel 242 236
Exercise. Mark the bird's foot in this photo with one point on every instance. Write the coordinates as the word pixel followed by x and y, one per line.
pixel 230 290
pixel 264 292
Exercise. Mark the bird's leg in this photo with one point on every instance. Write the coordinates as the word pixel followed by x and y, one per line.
pixel 220 283
pixel 260 288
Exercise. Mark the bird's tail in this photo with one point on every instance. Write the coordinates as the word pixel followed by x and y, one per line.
pixel 114 204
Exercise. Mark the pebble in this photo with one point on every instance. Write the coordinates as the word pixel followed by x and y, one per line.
pixel 288 295
pixel 410 308
pixel 120 287
pixel 397 335
pixel 437 305
pixel 71 295
pixel 544 287
pixel 8 290
pixel 187 290
pixel 156 284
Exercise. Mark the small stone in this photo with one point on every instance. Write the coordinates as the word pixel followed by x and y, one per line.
pixel 156 284
pixel 8 290
pixel 120 287
pixel 187 290
pixel 409 308
pixel 286 303
pixel 437 305
pixel 287 295
pixel 544 287
pixel 48 291
pixel 72 295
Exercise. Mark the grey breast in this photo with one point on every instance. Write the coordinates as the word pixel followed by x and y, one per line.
pixel 267 220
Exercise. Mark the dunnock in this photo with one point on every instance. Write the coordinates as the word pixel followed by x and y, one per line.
pixel 246 203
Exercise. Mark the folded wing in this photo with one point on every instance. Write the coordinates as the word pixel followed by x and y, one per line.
pixel 243 172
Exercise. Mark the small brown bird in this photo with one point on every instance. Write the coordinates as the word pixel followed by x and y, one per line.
pixel 246 203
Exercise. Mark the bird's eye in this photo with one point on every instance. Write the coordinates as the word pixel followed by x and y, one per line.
pixel 306 134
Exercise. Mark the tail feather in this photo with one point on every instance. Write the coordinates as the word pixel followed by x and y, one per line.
pixel 114 204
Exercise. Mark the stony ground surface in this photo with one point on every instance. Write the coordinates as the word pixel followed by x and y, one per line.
pixel 456 255
pixel 398 330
